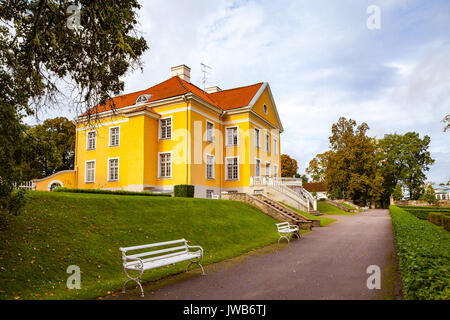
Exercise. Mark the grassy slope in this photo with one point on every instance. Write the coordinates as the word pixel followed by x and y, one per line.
pixel 348 206
pixel 424 253
pixel 323 220
pixel 61 229
pixel 327 208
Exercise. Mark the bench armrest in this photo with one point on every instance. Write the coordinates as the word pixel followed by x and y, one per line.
pixel 201 249
pixel 140 264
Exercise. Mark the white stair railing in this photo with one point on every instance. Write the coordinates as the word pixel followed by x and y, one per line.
pixel 282 186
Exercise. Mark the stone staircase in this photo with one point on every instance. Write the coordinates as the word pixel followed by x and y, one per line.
pixel 273 209
pixel 287 211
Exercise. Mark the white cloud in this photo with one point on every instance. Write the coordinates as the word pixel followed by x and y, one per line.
pixel 321 62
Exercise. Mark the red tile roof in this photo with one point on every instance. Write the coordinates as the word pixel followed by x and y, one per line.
pixel 175 86
pixel 237 97
pixel 315 186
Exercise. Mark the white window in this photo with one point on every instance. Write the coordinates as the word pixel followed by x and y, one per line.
pixel 209 167
pixel 209 131
pixel 91 140
pixel 267 169
pixel 232 168
pixel 165 165
pixel 275 171
pixel 90 172
pixel 275 147
pixel 267 143
pixel 209 194
pixel 232 136
pixel 258 168
pixel 114 136
pixel 257 137
pixel 165 128
pixel 113 169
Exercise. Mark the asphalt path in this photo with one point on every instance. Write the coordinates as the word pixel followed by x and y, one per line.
pixel 328 263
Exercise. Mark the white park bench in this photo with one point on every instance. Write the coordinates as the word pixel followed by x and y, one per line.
pixel 286 230
pixel 159 255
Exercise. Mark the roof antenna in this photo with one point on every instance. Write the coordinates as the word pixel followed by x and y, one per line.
pixel 205 72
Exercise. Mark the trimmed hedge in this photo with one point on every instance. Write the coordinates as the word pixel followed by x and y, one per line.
pixel 435 218
pixel 184 190
pixel 423 252
pixel 116 192
pixel 422 212
pixel 446 222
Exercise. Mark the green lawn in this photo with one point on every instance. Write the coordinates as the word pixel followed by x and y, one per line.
pixel 323 220
pixel 329 209
pixel 348 206
pixel 57 230
pixel 423 252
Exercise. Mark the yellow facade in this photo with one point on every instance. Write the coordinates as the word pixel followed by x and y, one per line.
pixel 139 149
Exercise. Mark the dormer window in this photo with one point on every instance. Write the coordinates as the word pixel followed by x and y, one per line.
pixel 143 98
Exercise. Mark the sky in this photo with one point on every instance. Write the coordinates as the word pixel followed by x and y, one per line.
pixel 320 59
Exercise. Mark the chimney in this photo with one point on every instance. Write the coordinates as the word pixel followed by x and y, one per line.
pixel 184 72
pixel 213 89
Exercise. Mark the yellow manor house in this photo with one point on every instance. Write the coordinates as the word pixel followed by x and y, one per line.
pixel 176 133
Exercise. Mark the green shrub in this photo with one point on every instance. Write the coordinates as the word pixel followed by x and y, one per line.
pixel 435 218
pixel 423 252
pixel 116 192
pixel 446 222
pixel 184 190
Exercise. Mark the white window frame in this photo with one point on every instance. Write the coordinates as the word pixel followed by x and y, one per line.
pixel 160 128
pixel 110 136
pixel 118 169
pixel 86 173
pixel 275 171
pixel 267 142
pixel 87 140
pixel 256 166
pixel 257 138
pixel 268 166
pixel 209 192
pixel 159 165
pixel 226 169
pixel 237 136
pixel 275 146
pixel 213 167
pixel 210 138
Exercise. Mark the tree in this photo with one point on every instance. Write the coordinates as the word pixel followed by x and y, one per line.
pixel 405 158
pixel 51 148
pixel 397 193
pixel 317 167
pixel 429 195
pixel 289 166
pixel 352 167
pixel 447 120
pixel 40 55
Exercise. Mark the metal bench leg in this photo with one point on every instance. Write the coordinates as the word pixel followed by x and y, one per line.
pixel 281 237
pixel 197 263
pixel 137 280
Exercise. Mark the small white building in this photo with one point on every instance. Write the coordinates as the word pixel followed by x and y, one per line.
pixel 442 192
pixel 317 188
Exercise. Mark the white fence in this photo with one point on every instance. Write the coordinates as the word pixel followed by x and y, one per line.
pixel 28 185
